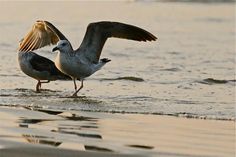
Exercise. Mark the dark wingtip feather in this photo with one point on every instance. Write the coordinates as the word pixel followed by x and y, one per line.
pixel 149 37
pixel 142 35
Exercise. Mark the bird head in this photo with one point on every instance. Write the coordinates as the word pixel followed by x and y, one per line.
pixel 63 46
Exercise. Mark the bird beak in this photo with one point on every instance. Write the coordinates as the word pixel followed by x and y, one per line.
pixel 55 48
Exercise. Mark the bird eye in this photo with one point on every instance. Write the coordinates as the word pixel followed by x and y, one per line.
pixel 63 44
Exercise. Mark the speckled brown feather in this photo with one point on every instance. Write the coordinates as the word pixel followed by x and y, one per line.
pixel 43 33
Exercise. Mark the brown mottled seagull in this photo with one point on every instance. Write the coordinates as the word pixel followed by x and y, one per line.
pixel 84 61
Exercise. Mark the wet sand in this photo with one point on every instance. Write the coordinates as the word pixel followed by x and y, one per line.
pixel 39 151
pixel 28 131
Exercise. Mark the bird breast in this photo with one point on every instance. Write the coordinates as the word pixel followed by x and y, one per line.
pixel 73 66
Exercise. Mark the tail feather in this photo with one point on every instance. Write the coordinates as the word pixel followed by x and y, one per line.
pixel 105 60
pixel 101 63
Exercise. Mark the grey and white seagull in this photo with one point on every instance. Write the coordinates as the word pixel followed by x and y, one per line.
pixel 84 61
pixel 40 68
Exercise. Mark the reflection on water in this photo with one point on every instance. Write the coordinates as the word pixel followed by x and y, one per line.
pixel 63 128
pixel 34 139
pixel 81 130
pixel 86 135
pixel 52 112
pixel 88 126
pixel 33 121
pixel 96 148
pixel 140 146
pixel 133 134
pixel 76 129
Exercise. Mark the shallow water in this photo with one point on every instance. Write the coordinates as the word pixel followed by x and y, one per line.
pixel 25 128
pixel 188 72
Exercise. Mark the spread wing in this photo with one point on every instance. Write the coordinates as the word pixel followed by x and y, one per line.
pixel 43 33
pixel 97 34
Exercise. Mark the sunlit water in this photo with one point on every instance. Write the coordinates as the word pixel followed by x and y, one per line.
pixel 189 71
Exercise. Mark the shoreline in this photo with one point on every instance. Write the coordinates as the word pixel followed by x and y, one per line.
pixel 176 115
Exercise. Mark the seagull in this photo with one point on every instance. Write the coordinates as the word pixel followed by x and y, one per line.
pixel 40 68
pixel 85 60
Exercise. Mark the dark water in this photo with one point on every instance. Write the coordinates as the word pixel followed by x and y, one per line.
pixel 189 71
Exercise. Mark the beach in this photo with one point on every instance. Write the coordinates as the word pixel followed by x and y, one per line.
pixel 174 97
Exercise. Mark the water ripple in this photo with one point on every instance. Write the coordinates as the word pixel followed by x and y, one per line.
pixel 212 81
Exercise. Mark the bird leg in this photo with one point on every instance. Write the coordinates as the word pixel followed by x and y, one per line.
pixel 74 79
pixel 81 86
pixel 38 86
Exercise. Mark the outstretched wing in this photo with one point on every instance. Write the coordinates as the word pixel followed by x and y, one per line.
pixel 97 34
pixel 43 33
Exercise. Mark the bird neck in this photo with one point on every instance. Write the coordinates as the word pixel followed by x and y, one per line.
pixel 68 50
